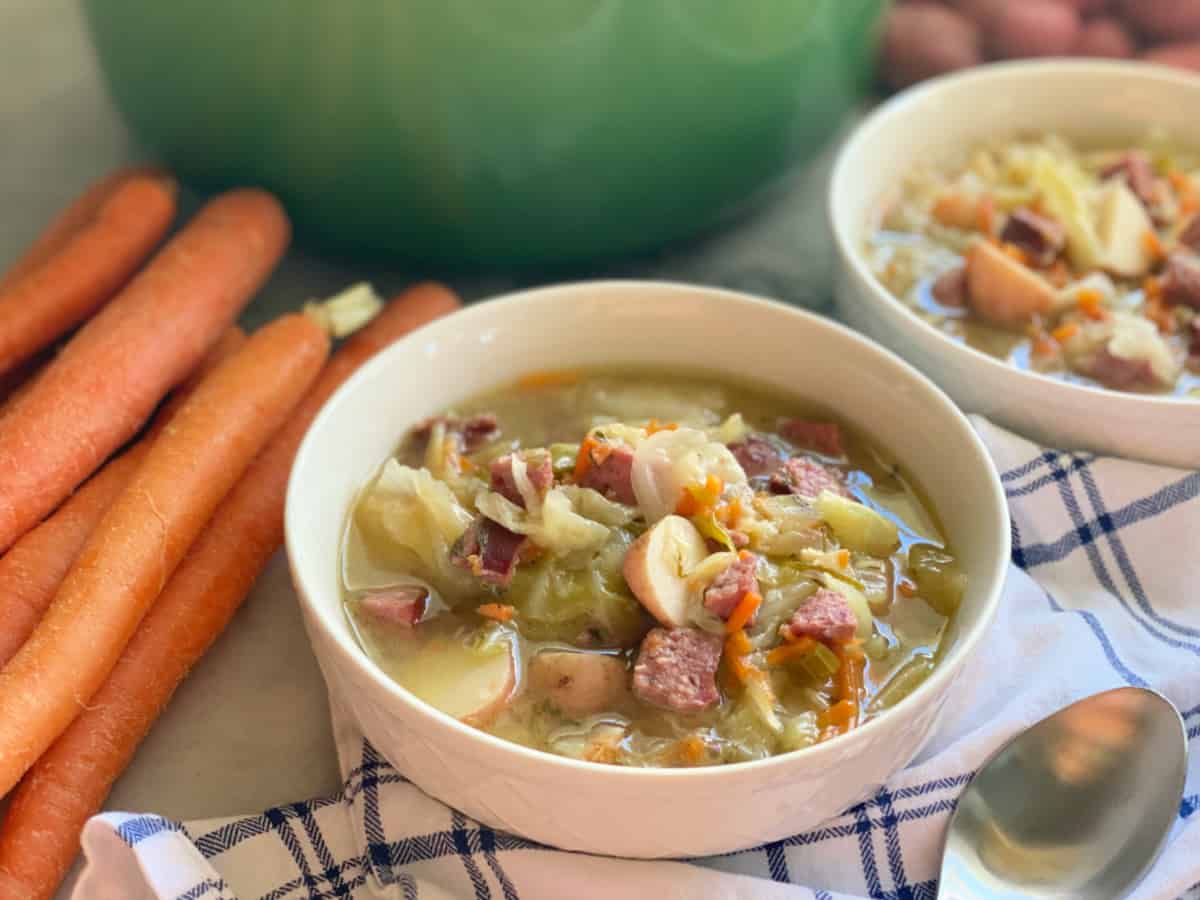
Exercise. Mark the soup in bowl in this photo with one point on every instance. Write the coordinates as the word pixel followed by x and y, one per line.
pixel 584 578
pixel 645 569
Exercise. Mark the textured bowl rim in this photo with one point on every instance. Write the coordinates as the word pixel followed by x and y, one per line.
pixel 936 684
pixel 894 110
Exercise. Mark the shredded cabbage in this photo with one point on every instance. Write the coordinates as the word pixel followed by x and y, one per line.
pixel 781 526
pixel 1136 338
pixel 705 571
pixel 421 516
pixel 1063 185
pixel 552 522
pixel 857 526
pixel 667 461
pixel 591 504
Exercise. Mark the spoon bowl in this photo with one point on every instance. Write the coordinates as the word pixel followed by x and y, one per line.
pixel 1078 806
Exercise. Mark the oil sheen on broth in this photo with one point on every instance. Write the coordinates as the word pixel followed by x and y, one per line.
pixel 648 569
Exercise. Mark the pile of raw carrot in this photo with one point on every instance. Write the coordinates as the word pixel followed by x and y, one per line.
pixel 145 446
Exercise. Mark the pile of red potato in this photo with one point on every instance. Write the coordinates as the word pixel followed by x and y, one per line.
pixel 926 38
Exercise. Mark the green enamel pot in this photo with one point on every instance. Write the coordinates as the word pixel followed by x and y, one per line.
pixel 489 132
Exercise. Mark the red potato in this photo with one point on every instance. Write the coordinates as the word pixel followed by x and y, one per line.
pixel 1086 8
pixel 982 12
pixel 1033 28
pixel 1002 290
pixel 923 40
pixel 1182 55
pixel 1163 19
pixel 578 684
pixel 462 683
pixel 656 568
pixel 1105 37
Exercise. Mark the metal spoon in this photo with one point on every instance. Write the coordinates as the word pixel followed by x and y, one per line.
pixel 1078 806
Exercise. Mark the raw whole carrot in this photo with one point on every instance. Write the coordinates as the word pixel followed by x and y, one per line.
pixel 81 211
pixel 40 835
pixel 95 395
pixel 32 570
pixel 189 468
pixel 34 567
pixel 88 270
pixel 15 380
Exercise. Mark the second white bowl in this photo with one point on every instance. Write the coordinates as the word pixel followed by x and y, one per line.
pixel 1079 99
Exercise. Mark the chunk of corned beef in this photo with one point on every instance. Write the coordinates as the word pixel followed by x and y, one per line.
pixel 403 606
pixel 1040 238
pixel 489 551
pixel 950 288
pixel 825 616
pixel 611 473
pixel 1121 373
pixel 1137 170
pixel 676 668
pixel 730 587
pixel 757 456
pixel 822 437
pixel 537 467
pixel 1190 235
pixel 471 433
pixel 807 478
pixel 1181 280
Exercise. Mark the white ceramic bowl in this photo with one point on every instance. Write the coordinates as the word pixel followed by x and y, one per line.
pixel 608 809
pixel 1080 99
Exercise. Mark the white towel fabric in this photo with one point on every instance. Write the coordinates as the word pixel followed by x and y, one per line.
pixel 1102 592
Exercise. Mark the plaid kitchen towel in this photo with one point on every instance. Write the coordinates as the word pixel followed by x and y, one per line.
pixel 1102 592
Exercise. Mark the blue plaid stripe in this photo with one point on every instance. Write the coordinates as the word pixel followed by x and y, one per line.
pixel 208 886
pixel 1124 563
pixel 487 843
pixel 134 831
pixel 891 840
pixel 466 853
pixel 777 865
pixel 1058 473
pixel 1105 523
pixel 863 827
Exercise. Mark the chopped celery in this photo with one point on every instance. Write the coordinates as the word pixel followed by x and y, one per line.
pixel 821 663
pixel 562 458
pixel 906 680
pixel 938 578
pixel 876 647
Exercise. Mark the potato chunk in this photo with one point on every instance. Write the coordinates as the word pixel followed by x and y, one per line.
pixel 578 684
pixel 1002 290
